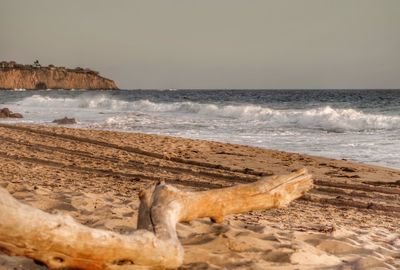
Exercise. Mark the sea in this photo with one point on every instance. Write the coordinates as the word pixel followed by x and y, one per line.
pixel 357 125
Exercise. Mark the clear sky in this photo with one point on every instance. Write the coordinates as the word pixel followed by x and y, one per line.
pixel 211 43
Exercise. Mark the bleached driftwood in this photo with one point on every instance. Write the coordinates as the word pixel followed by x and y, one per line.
pixel 60 242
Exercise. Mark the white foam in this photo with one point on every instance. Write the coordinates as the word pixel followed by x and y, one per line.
pixel 324 118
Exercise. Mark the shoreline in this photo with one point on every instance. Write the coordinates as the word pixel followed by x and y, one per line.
pixel 95 176
pixel 13 122
pixel 330 127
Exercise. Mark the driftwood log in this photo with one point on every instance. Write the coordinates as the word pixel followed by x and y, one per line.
pixel 60 242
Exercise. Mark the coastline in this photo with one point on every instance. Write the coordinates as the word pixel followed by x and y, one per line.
pixel 330 128
pixel 349 219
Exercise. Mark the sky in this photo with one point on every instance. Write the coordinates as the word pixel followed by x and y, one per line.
pixel 249 44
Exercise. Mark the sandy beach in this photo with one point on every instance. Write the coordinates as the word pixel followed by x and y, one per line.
pixel 350 220
pixel 205 135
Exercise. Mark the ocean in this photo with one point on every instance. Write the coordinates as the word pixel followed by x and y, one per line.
pixel 358 125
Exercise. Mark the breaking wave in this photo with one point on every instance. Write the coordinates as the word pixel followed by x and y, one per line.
pixel 325 118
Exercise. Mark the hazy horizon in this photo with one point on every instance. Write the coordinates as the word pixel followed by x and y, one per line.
pixel 227 44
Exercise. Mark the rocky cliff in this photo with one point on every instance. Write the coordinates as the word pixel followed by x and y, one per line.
pixel 29 77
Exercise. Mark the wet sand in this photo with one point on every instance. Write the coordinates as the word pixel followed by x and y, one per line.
pixel 350 220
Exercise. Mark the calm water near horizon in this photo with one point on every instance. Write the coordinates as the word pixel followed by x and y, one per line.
pixel 359 125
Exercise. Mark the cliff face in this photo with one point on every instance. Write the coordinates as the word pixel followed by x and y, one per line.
pixel 52 78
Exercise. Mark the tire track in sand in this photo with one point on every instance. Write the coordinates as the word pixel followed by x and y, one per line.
pixel 333 192
pixel 135 150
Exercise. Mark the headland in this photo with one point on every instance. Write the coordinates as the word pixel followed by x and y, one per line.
pixel 36 77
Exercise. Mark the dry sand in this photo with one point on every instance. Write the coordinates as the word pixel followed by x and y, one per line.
pixel 351 220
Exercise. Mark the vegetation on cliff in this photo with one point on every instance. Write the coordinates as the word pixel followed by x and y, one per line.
pixel 32 77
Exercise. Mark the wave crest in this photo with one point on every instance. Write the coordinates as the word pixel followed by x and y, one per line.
pixel 325 118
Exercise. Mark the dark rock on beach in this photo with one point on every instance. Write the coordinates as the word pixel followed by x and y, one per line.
pixel 6 113
pixel 65 121
pixel 16 115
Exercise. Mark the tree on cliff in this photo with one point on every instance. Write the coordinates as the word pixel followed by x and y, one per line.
pixel 37 64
